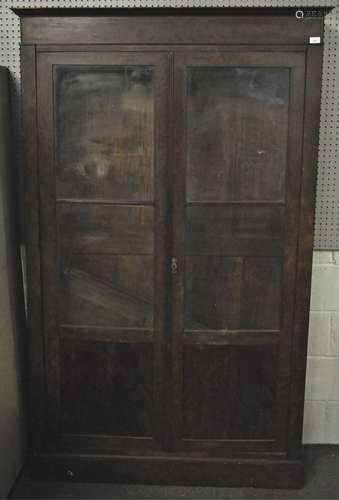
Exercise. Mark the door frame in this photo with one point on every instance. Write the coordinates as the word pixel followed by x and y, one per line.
pixel 53 332
pixel 235 56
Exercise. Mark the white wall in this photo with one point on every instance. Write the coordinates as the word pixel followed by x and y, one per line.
pixel 11 417
pixel 321 422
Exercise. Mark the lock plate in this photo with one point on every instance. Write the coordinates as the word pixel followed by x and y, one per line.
pixel 174 265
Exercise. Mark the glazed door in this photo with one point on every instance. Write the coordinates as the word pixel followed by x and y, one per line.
pixel 237 174
pixel 102 145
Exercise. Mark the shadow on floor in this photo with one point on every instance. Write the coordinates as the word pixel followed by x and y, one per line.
pixel 322 482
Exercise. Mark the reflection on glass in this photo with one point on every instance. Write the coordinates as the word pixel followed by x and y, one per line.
pixel 236 293
pixel 101 290
pixel 234 230
pixel 106 265
pixel 115 229
pixel 104 132
pixel 237 133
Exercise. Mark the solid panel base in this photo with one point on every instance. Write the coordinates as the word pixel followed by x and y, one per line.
pixel 260 473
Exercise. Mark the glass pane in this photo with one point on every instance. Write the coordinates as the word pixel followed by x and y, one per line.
pixel 106 265
pixel 105 127
pixel 234 230
pixel 238 293
pixel 87 228
pixel 237 133
pixel 233 267
pixel 114 290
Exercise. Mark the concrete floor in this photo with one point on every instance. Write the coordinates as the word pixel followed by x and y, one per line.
pixel 322 482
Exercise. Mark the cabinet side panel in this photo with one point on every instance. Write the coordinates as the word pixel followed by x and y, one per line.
pixel 305 245
pixel 30 224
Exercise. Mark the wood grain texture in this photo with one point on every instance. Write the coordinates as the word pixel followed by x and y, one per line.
pixel 231 337
pixel 305 247
pixel 106 388
pixel 31 233
pixel 80 333
pixel 229 392
pixel 255 472
pixel 176 29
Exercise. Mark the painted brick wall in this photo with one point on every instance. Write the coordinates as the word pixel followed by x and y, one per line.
pixel 321 422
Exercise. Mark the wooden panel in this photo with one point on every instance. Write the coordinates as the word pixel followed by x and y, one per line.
pixel 305 247
pixel 237 121
pixel 106 388
pixel 87 235
pixel 30 221
pixel 107 334
pixel 213 28
pixel 257 471
pixel 104 132
pixel 234 230
pixel 231 337
pixel 251 230
pixel 241 245
pixel 106 290
pixel 229 393
pixel 232 293
pixel 105 229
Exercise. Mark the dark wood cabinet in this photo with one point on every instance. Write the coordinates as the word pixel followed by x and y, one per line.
pixel 170 161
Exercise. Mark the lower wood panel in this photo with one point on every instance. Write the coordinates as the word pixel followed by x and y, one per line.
pixel 106 388
pixel 258 472
pixel 229 392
